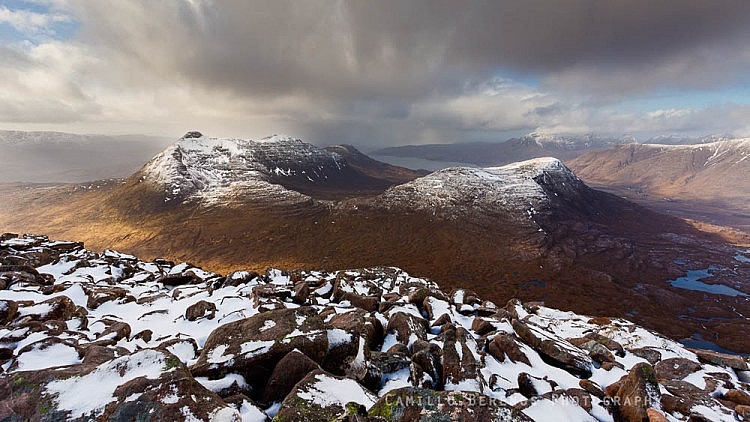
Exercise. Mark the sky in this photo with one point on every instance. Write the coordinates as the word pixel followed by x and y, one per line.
pixel 376 73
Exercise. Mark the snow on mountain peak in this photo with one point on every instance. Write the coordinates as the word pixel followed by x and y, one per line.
pixel 197 166
pixel 510 188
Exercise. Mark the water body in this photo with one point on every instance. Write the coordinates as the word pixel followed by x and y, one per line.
pixel 698 342
pixel 692 281
pixel 742 258
pixel 419 163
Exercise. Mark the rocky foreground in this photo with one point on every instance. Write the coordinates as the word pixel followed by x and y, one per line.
pixel 105 336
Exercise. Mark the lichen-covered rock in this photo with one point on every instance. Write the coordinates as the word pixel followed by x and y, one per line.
pixel 321 396
pixel 148 384
pixel 638 391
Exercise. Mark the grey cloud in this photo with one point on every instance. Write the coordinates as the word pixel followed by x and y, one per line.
pixel 386 71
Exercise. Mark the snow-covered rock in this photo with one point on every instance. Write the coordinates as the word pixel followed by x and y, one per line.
pixel 138 356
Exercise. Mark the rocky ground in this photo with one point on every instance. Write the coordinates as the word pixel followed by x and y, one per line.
pixel 105 336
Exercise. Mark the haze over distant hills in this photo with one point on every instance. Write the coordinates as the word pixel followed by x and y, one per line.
pixel 44 157
pixel 531 229
pixel 533 145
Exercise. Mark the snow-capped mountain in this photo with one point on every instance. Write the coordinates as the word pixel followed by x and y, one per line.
pixel 197 165
pixel 203 168
pixel 707 172
pixel 519 190
pixel 107 336
pixel 573 142
pixel 688 140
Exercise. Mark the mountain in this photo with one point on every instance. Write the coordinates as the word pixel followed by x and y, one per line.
pixel 533 145
pixel 108 336
pixel 531 230
pixel 54 157
pixel 709 179
pixel 687 140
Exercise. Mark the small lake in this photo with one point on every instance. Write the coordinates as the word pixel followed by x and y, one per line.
pixel 698 342
pixel 419 163
pixel 692 281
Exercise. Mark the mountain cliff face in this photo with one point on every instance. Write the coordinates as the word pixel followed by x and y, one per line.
pixel 531 230
pixel 107 336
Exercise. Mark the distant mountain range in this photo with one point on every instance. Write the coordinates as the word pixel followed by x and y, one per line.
pixel 712 178
pixel 533 145
pixel 531 229
pixel 45 157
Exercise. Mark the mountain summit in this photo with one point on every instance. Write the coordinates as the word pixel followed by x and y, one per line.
pixel 204 168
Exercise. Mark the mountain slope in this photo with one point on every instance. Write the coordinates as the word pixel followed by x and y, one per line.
pixel 531 230
pixel 712 175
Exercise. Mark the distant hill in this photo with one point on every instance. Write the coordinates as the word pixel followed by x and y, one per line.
pixel 712 178
pixel 534 145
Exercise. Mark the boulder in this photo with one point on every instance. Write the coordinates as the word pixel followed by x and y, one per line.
pixel 416 404
pixel 58 308
pixel 506 345
pixel 481 326
pixel 8 311
pixel 637 392
pixel 252 347
pixel 556 350
pixel 301 292
pixel 675 368
pixel 429 362
pixel 651 355
pixel 592 388
pixel 147 385
pixel 200 309
pixel 407 327
pixel 459 364
pixel 98 296
pixel 737 396
pixel 362 294
pixel 289 371
pixel 721 359
pixel 321 396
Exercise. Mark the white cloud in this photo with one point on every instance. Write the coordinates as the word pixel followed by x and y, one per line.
pixel 32 23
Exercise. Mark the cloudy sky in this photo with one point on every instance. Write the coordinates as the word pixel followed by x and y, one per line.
pixel 376 72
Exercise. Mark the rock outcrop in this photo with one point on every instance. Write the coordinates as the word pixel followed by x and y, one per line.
pixel 105 336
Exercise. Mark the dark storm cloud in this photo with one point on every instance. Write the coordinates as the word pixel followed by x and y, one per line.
pixel 394 49
pixel 430 69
